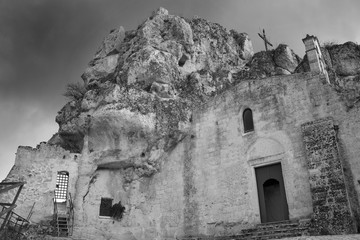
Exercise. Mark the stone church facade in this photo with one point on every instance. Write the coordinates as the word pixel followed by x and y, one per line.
pixel 280 148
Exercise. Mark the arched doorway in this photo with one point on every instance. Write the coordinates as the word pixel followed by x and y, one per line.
pixel 271 191
pixel 272 197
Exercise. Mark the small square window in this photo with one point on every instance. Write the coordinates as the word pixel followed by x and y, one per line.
pixel 105 207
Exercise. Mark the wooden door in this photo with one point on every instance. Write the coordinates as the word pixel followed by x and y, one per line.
pixel 271 192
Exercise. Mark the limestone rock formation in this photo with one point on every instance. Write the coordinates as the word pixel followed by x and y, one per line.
pixel 343 65
pixel 172 125
pixel 245 43
pixel 142 86
pixel 280 61
pixel 111 43
pixel 345 58
pixel 285 58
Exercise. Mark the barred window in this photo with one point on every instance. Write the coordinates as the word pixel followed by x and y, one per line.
pixel 105 207
pixel 62 182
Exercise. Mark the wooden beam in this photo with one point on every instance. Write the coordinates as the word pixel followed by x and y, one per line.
pixel 10 183
pixel 9 209
pixel 5 204
pixel 266 42
pixel 12 186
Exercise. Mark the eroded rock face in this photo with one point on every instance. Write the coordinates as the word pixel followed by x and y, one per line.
pixel 345 58
pixel 285 58
pixel 245 43
pixel 344 69
pixel 343 66
pixel 111 44
pixel 102 70
pixel 280 61
pixel 142 86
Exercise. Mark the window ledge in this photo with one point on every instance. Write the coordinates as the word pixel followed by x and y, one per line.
pixel 104 217
pixel 248 133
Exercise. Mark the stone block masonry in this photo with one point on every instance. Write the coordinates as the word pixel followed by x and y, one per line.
pixel 331 208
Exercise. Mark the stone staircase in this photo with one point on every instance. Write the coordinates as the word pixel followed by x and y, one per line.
pixel 266 231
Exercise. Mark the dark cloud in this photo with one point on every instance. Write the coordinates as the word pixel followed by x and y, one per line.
pixel 45 44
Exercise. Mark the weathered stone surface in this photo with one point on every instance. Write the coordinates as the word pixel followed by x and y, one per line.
pixel 149 72
pixel 303 66
pixel 285 58
pixel 327 57
pixel 163 133
pixel 280 61
pixel 102 70
pixel 38 167
pixel 262 64
pixel 154 66
pixel 245 44
pixel 343 66
pixel 332 211
pixel 345 58
pixel 111 44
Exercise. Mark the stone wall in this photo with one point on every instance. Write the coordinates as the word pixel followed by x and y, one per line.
pixel 349 147
pixel 38 167
pixel 224 195
pixel 331 206
pixel 224 157
pixel 153 205
pixel 206 185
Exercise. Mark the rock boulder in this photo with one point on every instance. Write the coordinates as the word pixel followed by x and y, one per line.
pixel 285 58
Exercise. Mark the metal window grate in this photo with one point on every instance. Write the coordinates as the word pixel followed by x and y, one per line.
pixel 62 181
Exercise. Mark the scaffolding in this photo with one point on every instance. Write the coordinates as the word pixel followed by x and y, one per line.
pixel 10 220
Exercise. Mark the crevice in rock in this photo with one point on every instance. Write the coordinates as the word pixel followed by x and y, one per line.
pixel 92 181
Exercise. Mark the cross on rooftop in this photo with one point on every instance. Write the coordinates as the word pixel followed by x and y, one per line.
pixel 263 37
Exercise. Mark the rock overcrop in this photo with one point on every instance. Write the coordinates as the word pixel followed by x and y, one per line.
pixel 343 62
pixel 142 85
pixel 279 61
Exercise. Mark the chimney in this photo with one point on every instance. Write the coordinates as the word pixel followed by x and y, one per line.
pixel 313 53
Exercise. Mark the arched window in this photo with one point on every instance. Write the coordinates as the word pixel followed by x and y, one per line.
pixel 62 181
pixel 248 120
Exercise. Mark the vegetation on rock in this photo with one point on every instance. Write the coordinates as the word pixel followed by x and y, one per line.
pixel 75 91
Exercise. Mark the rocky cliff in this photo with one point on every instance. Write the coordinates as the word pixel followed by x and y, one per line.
pixel 142 85
pixel 136 106
pixel 344 65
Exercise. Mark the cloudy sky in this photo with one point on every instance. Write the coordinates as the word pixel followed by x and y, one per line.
pixel 46 44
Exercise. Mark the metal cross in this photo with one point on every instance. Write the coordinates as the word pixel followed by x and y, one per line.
pixel 263 37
